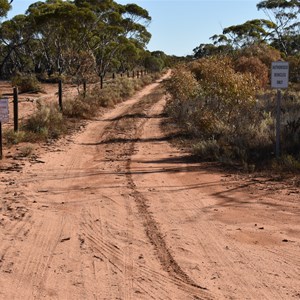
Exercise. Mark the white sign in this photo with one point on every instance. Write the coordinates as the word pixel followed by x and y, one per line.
pixel 280 75
pixel 4 112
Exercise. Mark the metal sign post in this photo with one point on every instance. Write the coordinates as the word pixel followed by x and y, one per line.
pixel 4 117
pixel 279 80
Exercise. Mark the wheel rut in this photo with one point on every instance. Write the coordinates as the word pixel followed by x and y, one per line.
pixel 124 133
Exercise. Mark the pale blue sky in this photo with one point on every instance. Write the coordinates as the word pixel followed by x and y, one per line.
pixel 179 26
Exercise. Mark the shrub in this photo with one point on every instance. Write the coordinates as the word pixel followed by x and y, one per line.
pixel 207 149
pixel 219 107
pixel 265 53
pixel 182 85
pixel 26 83
pixel 45 123
pixel 125 87
pixel 12 138
pixel 229 95
pixel 294 62
pixel 286 163
pixel 83 107
pixel 254 66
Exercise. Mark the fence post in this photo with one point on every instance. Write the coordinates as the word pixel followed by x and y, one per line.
pixel 1 140
pixel 84 88
pixel 60 94
pixel 101 82
pixel 16 110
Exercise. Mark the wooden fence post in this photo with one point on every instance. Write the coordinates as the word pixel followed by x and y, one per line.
pixel 16 110
pixel 60 94
pixel 1 140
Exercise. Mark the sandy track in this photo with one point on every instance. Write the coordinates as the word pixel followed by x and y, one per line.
pixel 117 213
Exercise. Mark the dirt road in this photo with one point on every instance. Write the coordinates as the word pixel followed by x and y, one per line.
pixel 116 212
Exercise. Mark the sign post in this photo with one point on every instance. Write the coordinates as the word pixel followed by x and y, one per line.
pixel 4 117
pixel 279 80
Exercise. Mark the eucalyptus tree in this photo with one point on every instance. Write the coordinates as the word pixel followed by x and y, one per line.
pixel 61 28
pixel 118 29
pixel 16 51
pixel 4 7
pixel 286 15
pixel 129 56
pixel 251 32
pixel 206 50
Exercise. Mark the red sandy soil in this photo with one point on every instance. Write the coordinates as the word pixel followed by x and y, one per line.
pixel 28 101
pixel 116 212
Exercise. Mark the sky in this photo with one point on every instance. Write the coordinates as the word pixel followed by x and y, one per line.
pixel 179 26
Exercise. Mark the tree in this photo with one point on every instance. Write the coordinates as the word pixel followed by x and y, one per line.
pixel 60 28
pixel 206 50
pixel 15 35
pixel 4 7
pixel 116 29
pixel 286 15
pixel 154 64
pixel 248 33
pixel 57 36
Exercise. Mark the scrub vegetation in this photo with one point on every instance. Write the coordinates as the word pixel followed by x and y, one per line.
pixel 222 99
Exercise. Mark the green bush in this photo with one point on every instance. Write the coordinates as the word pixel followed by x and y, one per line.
pixel 26 83
pixel 46 123
pixel 218 106
pixel 12 137
pixel 286 163
pixel 207 149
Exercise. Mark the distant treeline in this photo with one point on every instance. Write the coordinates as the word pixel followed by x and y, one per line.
pixel 80 39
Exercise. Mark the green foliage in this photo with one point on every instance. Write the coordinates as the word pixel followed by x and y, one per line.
pixel 226 91
pixel 222 110
pixel 81 107
pixel 182 85
pixel 285 13
pixel 45 123
pixel 4 8
pixel 26 83
pixel 75 38
pixel 85 107
pixel 250 32
pixel 287 163
pixel 206 50
pixel 207 149
pixel 12 138
pixel 154 64
pixel 227 115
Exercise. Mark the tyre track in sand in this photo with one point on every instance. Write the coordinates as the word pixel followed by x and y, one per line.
pixel 131 125
pixel 85 235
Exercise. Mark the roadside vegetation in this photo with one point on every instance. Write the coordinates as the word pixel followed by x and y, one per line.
pixel 49 122
pixel 98 44
pixel 222 100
